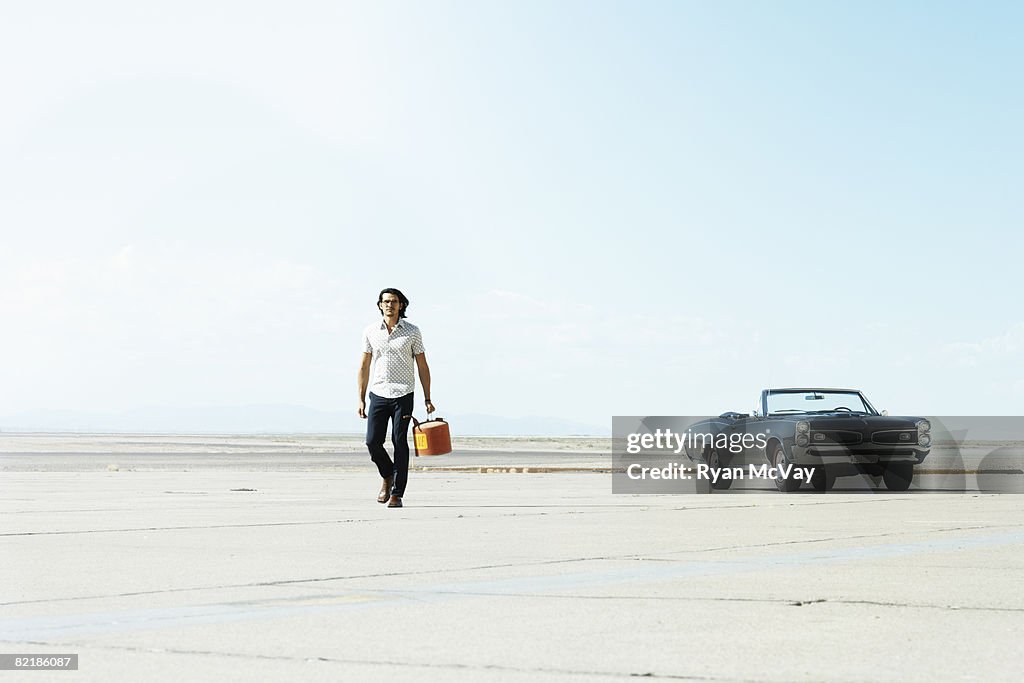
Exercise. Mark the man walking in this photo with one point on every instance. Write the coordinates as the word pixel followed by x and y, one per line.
pixel 390 346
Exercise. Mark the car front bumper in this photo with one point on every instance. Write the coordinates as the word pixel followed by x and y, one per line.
pixel 859 455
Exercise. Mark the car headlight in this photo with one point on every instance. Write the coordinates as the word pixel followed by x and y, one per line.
pixel 803 426
pixel 924 437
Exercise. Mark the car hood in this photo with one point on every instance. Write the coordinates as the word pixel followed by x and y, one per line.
pixel 858 422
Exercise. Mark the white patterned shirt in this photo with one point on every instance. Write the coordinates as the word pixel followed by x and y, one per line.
pixel 393 374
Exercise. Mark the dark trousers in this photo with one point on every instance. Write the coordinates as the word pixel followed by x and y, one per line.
pixel 398 411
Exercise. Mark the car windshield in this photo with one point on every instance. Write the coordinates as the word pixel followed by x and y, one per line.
pixel 816 402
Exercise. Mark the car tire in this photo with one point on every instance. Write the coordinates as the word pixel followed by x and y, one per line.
pixel 714 461
pixel 784 484
pixel 898 475
pixel 822 480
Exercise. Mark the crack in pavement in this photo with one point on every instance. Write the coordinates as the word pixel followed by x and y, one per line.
pixel 17 629
pixel 391 663
pixel 510 565
pixel 748 546
pixel 573 506
pixel 686 598
pixel 306 523
pixel 287 582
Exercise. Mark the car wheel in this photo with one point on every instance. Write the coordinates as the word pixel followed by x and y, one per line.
pixel 822 479
pixel 714 461
pixel 784 484
pixel 898 475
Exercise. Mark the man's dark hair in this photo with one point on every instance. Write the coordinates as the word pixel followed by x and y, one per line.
pixel 402 299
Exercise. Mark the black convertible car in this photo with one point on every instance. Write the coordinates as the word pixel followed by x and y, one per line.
pixel 836 431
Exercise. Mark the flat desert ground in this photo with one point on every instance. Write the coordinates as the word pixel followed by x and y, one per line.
pixel 268 558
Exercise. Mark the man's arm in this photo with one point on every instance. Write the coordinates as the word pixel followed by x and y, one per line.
pixel 364 380
pixel 424 372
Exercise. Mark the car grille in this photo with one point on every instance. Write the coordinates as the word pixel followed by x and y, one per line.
pixel 835 436
pixel 895 437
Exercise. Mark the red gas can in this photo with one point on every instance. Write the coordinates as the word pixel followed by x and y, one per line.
pixel 431 437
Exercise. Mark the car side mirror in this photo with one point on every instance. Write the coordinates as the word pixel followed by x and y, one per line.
pixel 885 413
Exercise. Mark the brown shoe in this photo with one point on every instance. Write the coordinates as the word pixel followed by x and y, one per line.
pixel 395 502
pixel 385 489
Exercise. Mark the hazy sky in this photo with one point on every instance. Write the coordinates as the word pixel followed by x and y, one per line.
pixel 596 208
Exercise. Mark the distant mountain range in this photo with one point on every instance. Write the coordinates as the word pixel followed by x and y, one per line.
pixel 271 419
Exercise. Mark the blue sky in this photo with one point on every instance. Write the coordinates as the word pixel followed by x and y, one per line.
pixel 596 208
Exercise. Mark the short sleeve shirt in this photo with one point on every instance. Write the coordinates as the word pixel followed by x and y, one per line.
pixel 393 373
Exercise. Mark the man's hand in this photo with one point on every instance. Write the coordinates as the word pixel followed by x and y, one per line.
pixel 364 379
pixel 430 407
